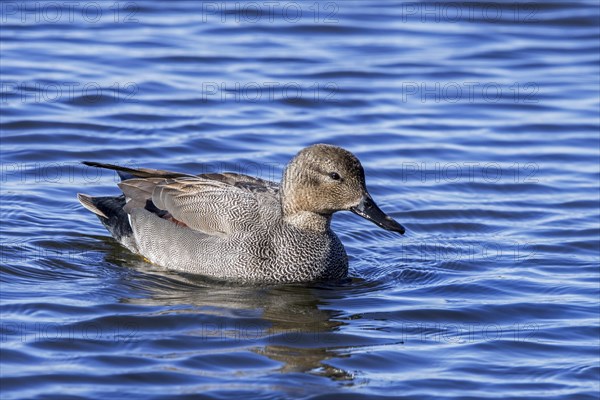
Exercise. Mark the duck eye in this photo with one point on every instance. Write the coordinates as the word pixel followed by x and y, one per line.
pixel 335 176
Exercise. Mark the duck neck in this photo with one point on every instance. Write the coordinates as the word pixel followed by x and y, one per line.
pixel 307 220
pixel 294 212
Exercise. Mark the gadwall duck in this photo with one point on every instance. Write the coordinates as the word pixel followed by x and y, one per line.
pixel 236 227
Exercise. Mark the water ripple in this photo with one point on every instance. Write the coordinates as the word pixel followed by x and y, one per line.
pixel 477 124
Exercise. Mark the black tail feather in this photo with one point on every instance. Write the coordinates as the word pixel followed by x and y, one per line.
pixel 117 221
pixel 129 173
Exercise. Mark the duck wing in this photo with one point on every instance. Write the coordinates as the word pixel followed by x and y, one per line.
pixel 218 204
pixel 215 204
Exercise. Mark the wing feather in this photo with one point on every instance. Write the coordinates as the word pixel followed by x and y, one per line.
pixel 206 205
pixel 216 204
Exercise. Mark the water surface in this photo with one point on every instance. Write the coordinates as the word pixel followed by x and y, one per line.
pixel 477 124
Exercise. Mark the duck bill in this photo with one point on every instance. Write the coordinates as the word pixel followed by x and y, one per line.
pixel 369 210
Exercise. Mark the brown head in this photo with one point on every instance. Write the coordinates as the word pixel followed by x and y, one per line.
pixel 323 179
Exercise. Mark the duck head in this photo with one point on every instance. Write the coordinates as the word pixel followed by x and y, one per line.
pixel 322 179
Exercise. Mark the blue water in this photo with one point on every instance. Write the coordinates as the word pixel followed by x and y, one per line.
pixel 477 124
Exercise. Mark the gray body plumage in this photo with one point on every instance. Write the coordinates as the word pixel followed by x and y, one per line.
pixel 250 241
pixel 237 227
